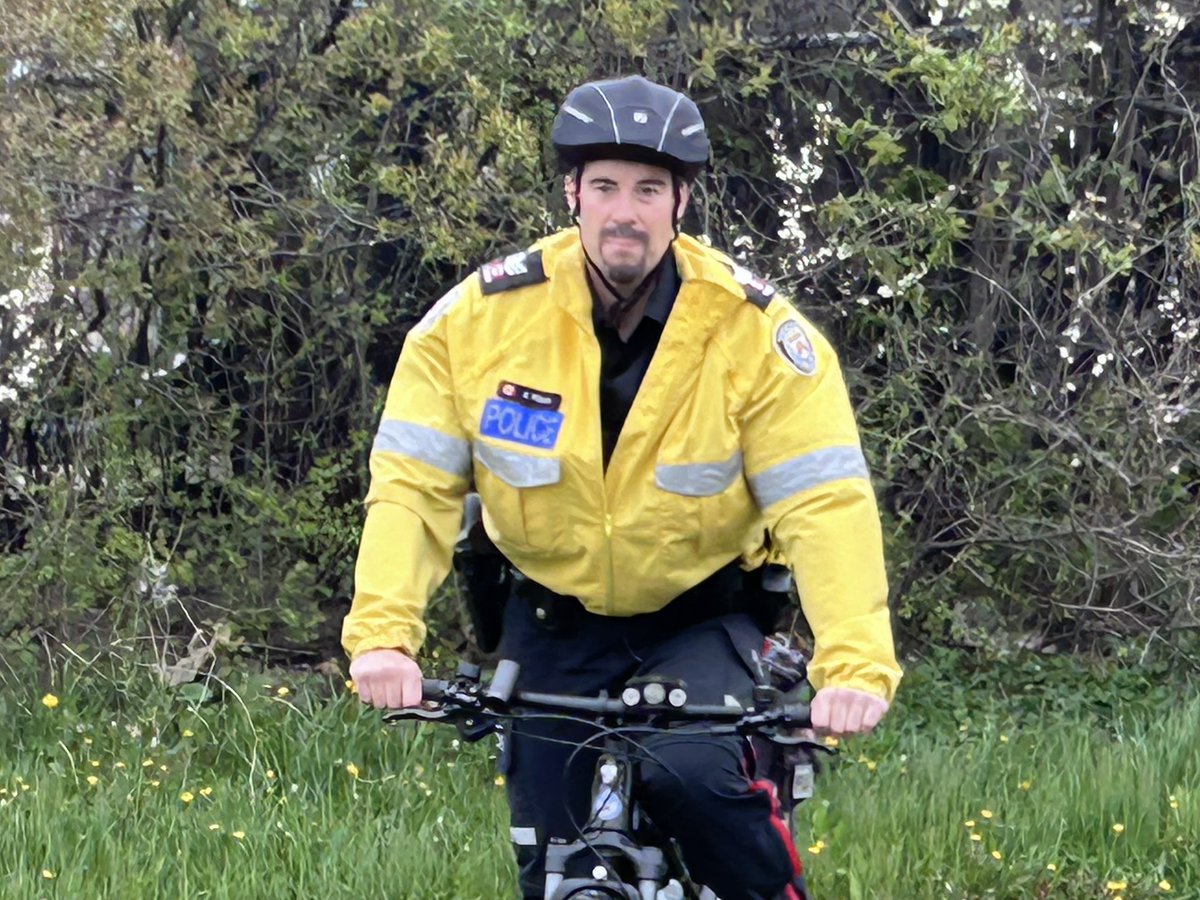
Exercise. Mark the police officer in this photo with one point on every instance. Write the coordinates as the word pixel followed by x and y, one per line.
pixel 645 423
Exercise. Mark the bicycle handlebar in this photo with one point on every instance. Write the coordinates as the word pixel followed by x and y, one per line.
pixel 501 698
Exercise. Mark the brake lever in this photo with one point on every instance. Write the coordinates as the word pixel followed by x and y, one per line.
pixel 470 723
pixel 427 714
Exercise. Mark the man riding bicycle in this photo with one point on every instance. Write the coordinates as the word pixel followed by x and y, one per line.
pixel 647 426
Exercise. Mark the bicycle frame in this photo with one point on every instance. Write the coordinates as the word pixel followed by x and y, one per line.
pixel 628 862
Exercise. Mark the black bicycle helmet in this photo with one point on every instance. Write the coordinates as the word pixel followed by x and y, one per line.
pixel 631 118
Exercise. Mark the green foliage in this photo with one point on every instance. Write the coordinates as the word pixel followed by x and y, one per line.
pixel 218 224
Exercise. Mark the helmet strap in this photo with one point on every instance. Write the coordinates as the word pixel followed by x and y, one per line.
pixel 621 303
pixel 676 216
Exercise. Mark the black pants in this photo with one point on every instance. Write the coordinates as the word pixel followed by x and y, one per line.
pixel 697 789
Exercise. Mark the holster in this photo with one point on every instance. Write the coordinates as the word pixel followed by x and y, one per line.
pixel 484 577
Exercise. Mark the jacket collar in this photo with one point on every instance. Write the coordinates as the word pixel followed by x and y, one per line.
pixel 565 267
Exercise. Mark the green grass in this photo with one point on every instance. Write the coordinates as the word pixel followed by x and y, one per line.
pixel 1058 758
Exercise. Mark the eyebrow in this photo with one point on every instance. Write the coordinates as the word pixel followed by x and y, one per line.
pixel 604 179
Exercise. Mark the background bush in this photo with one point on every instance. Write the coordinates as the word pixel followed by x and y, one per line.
pixel 219 220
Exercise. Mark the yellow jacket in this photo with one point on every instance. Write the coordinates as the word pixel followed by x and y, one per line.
pixel 742 423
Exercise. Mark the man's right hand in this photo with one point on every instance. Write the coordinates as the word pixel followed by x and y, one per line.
pixel 388 679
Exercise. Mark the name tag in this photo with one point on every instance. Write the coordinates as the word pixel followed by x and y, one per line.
pixel 510 421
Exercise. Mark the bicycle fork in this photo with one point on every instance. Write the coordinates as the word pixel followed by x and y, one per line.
pixel 606 836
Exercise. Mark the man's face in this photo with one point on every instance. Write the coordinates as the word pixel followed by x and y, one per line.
pixel 625 216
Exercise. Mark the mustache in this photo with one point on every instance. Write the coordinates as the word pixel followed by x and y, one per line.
pixel 625 231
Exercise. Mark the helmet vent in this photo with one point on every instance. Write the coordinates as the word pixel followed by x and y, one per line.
pixel 581 116
pixel 667 124
pixel 612 115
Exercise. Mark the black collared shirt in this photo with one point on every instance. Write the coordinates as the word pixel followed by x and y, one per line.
pixel 623 364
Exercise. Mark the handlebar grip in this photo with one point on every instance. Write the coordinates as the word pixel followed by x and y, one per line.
pixel 799 713
pixel 504 681
pixel 433 688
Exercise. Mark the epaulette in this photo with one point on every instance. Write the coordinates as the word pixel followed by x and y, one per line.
pixel 758 291
pixel 512 271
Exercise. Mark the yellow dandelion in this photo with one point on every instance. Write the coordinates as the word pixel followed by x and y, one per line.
pixel 214 827
pixel 154 782
pixel 94 763
pixel 146 763
pixel 118 764
pixel 499 781
pixel 93 780
pixel 986 813
pixel 976 836
pixel 1174 803
pixel 831 741
pixel 1051 867
pixel 49 701
pixel 187 796
pixel 816 848
pixel 1116 885
pixel 1164 885
pixel 163 768
pixel 239 834
pixel 283 692
pixel 271 773
pixel 351 686
pixel 187 732
pixel 1004 738
pixel 205 792
pixel 87 742
pixel 1118 828
pixel 352 769
pixel 996 854
pixel 970 823
pixel 47 873
pixel 1025 785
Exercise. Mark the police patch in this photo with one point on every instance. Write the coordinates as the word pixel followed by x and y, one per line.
pixel 513 271
pixel 529 396
pixel 793 344
pixel 510 421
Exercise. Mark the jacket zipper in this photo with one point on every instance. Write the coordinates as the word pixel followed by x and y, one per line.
pixel 608 530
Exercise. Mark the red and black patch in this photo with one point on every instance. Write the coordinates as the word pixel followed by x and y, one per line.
pixel 759 291
pixel 512 271
pixel 530 397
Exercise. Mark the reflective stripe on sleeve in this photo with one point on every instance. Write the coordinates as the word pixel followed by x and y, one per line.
pixel 523 836
pixel 699 479
pixel 450 454
pixel 807 471
pixel 519 469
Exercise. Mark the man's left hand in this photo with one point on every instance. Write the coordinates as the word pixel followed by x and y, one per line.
pixel 842 711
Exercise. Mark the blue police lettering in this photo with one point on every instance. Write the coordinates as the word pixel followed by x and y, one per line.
pixel 519 424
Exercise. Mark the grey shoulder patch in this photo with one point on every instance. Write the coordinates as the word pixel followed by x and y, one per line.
pixel 512 271
pixel 758 291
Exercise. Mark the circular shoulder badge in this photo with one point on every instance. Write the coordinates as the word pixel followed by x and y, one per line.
pixel 792 343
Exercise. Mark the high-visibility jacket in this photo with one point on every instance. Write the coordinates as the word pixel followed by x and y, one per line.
pixel 741 427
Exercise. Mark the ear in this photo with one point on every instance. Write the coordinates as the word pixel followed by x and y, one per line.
pixel 569 190
pixel 685 194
